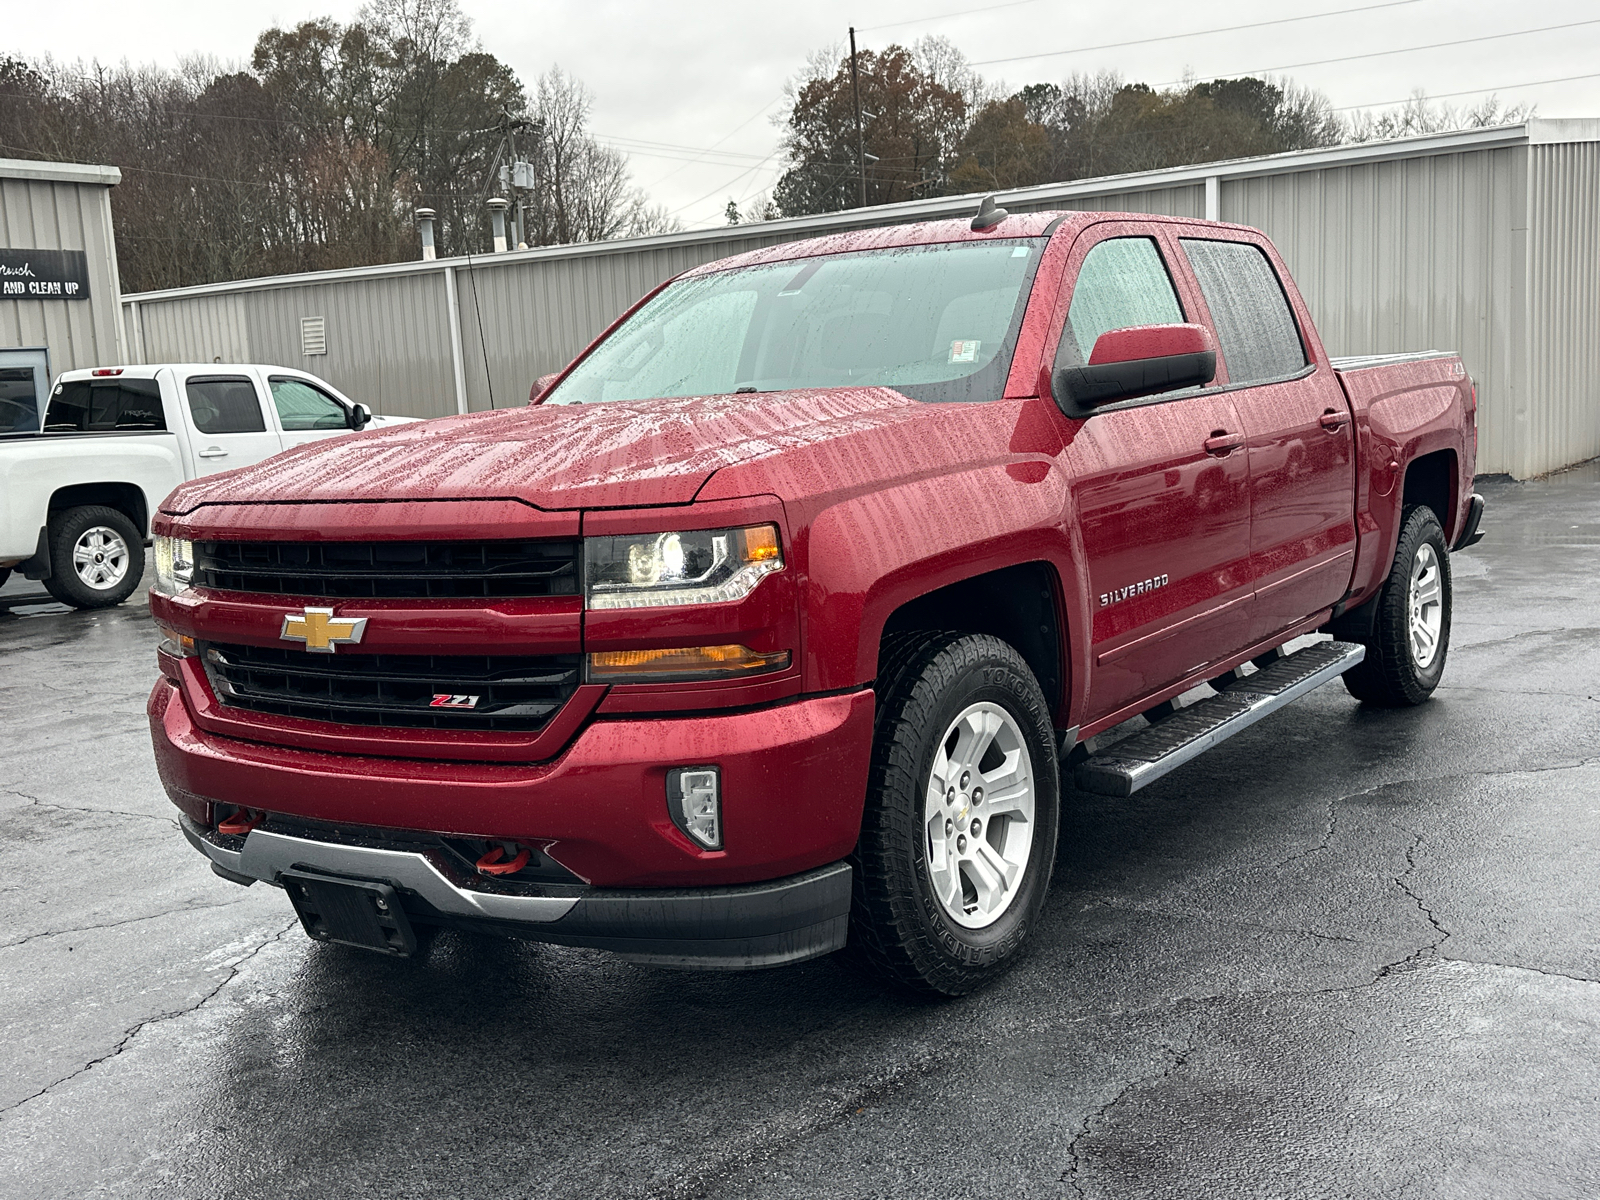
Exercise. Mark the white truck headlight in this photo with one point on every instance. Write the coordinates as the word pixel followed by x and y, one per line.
pixel 708 566
pixel 174 564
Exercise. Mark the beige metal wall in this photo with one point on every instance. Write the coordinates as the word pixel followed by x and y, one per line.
pixel 1559 409
pixel 1413 254
pixel 62 214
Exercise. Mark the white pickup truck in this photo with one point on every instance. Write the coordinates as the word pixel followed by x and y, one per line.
pixel 76 496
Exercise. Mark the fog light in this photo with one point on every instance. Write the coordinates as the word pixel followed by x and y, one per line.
pixel 694 801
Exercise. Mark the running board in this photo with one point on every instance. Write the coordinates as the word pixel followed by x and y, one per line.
pixel 1127 766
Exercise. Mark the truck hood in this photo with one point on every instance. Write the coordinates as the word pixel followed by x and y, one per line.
pixel 559 457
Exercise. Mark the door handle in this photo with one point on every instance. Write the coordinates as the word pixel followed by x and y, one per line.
pixel 1222 442
pixel 213 452
pixel 1333 420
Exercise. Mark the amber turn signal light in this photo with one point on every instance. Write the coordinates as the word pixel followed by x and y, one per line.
pixel 179 645
pixel 683 664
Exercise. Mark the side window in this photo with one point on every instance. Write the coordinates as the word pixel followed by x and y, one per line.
pixel 85 406
pixel 1122 283
pixel 301 406
pixel 1255 329
pixel 225 404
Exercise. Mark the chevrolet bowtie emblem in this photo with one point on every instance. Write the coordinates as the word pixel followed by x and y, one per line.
pixel 320 630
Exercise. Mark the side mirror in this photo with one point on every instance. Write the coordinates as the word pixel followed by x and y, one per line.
pixel 540 386
pixel 1140 361
pixel 359 416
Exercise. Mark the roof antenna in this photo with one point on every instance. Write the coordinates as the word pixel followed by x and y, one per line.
pixel 988 215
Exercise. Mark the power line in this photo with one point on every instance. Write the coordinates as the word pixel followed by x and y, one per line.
pixel 966 12
pixel 1319 62
pixel 1510 87
pixel 1171 37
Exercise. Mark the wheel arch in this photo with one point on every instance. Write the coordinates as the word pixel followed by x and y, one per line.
pixel 1434 480
pixel 1021 604
pixel 127 498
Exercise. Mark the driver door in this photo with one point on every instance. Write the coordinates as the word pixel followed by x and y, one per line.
pixel 306 412
pixel 1160 485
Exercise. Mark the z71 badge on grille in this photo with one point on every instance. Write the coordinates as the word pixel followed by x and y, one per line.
pixel 448 701
pixel 320 630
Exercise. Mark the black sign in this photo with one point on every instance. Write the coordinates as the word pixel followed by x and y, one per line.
pixel 44 275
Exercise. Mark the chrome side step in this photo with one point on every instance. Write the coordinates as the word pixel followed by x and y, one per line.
pixel 1127 766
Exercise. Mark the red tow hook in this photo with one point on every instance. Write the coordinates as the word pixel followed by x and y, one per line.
pixel 242 821
pixel 490 863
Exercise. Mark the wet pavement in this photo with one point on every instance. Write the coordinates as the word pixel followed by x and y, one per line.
pixel 1347 953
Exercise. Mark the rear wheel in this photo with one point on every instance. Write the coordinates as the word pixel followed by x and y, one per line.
pixel 959 836
pixel 96 557
pixel 1411 627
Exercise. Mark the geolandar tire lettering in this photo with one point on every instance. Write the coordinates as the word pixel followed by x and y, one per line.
pixel 959 835
pixel 1411 627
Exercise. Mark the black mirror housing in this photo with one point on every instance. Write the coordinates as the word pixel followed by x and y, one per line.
pixel 1078 391
pixel 359 416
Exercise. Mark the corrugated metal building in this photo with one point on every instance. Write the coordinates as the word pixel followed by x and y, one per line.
pixel 1483 241
pixel 58 280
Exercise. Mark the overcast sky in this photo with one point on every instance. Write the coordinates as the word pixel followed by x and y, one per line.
pixel 689 89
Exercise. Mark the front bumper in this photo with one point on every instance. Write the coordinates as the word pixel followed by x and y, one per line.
pixel 731 928
pixel 793 785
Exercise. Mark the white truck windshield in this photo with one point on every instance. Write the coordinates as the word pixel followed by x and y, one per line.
pixel 935 322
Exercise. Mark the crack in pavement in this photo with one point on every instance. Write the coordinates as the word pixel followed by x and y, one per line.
pixel 1331 823
pixel 1482 962
pixel 134 1031
pixel 108 812
pixel 1176 1058
pixel 166 912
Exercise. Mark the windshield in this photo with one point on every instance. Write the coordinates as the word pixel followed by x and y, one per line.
pixel 935 322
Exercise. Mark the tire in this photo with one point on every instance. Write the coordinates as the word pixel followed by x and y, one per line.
pixel 920 918
pixel 1410 636
pixel 96 557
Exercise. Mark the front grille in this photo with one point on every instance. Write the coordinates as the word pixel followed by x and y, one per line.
pixel 397 570
pixel 395 690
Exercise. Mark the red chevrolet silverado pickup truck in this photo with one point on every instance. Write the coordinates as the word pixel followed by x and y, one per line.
pixel 774 622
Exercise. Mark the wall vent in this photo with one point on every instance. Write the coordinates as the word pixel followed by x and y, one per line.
pixel 313 335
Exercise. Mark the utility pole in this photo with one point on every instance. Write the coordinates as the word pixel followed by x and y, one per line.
pixel 861 145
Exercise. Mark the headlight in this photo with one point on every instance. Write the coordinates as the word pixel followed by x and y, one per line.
pixel 174 564
pixel 704 567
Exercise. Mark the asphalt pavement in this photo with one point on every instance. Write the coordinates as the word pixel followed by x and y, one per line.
pixel 1348 953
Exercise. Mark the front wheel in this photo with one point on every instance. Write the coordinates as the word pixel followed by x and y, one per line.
pixel 1411 627
pixel 959 836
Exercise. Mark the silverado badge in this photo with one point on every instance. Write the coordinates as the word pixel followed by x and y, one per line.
pixel 320 630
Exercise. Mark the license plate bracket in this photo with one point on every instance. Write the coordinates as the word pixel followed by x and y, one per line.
pixel 351 912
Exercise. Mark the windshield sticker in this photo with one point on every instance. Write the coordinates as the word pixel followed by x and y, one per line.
pixel 1020 252
pixel 964 351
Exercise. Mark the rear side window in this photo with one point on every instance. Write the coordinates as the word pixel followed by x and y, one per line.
pixel 1122 283
pixel 1255 329
pixel 301 406
pixel 225 404
pixel 102 406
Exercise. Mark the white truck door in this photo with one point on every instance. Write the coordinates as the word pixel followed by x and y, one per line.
pixel 307 408
pixel 227 421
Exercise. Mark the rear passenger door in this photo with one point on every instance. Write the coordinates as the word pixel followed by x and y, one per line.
pixel 1300 435
pixel 1160 486
pixel 228 423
